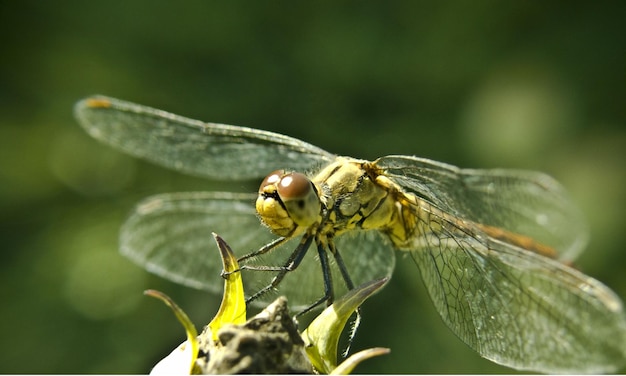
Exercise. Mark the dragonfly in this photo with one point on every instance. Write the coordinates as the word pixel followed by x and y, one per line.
pixel 494 247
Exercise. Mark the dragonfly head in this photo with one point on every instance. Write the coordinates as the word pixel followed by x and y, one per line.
pixel 286 201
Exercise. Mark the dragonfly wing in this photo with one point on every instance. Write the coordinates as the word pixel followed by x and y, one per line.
pixel 367 255
pixel 518 308
pixel 522 202
pixel 211 150
pixel 170 235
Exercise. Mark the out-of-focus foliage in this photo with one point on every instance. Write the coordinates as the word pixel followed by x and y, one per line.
pixel 518 84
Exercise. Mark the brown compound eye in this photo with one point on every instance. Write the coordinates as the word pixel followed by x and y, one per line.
pixel 298 194
pixel 294 186
pixel 271 179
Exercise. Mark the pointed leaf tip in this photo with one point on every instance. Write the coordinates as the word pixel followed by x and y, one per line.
pixel 190 329
pixel 233 307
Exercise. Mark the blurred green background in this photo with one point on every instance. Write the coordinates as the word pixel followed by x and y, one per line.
pixel 535 85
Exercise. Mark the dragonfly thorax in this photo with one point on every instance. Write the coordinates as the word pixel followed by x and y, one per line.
pixel 353 198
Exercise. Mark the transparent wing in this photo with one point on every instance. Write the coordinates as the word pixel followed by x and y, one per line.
pixel 522 202
pixel 170 235
pixel 518 308
pixel 211 150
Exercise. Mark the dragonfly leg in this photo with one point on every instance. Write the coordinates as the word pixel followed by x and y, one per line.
pixel 266 248
pixel 350 286
pixel 328 283
pixel 292 263
pixel 341 265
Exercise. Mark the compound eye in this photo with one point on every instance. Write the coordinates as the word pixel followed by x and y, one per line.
pixel 300 198
pixel 295 194
pixel 294 186
pixel 271 179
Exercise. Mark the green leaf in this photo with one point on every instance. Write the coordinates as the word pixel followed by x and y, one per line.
pixel 322 335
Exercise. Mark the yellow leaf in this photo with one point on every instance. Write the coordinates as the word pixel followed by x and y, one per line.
pixel 182 317
pixel 233 307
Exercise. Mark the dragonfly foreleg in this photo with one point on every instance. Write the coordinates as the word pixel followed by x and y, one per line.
pixel 266 248
pixel 292 263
